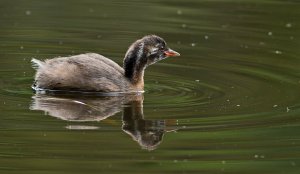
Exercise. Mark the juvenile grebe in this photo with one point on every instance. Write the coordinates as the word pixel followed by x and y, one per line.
pixel 94 72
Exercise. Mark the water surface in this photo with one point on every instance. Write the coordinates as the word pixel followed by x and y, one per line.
pixel 229 104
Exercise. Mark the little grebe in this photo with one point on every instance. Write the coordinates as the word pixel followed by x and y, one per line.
pixel 94 72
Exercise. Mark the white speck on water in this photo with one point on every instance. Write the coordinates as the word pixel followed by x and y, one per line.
pixel 179 12
pixel 193 44
pixel 91 10
pixel 21 47
pixel 228 100
pixel 270 33
pixel 28 12
pixel 293 163
pixel 262 43
pixel 183 25
pixel 287 109
pixel 278 52
pixel 197 80
pixel 205 37
pixel 175 161
pixel 256 156
pixel 288 25
pixel 274 106
pixel 262 156
pixel 223 162
pixel 183 127
pixel 238 105
pixel 44 135
pixel 4 103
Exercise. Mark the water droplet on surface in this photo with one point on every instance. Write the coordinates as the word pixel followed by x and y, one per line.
pixel 28 12
pixel 278 52
pixel 293 163
pixel 288 25
pixel 270 33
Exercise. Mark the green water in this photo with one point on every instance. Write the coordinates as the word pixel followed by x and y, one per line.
pixel 229 104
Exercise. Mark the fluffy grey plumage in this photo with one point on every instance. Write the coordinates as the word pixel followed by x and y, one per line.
pixel 94 72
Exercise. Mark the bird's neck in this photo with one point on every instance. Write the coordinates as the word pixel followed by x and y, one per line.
pixel 134 67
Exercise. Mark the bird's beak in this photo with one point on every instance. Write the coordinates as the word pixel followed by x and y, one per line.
pixel 171 53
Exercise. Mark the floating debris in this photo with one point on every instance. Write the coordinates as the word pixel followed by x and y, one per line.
pixel 274 106
pixel 91 10
pixel 28 12
pixel 270 33
pixel 288 25
pixel 293 163
pixel 287 109
pixel 193 44
pixel 278 52
pixel 197 80
pixel 205 37
pixel 238 105
pixel 21 47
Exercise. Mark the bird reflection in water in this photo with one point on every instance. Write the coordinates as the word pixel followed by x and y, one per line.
pixel 148 133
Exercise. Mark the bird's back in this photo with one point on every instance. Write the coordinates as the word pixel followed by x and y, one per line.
pixel 84 72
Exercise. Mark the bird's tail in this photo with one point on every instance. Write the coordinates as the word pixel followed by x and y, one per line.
pixel 36 64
